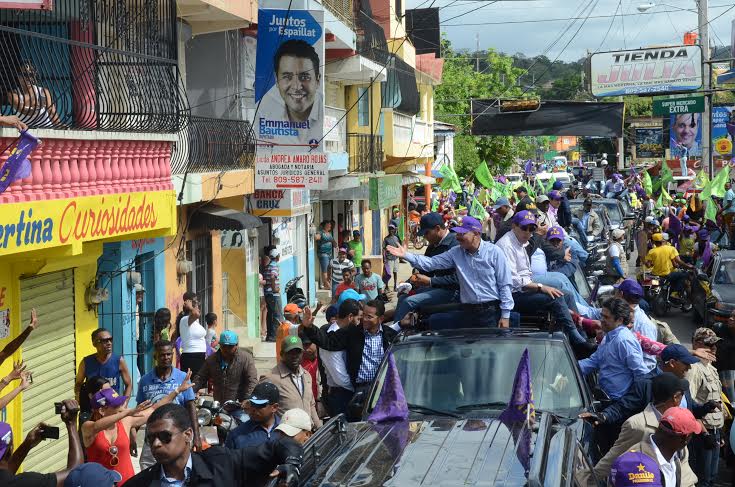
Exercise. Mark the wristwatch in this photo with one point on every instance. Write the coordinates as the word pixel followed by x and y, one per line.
pixel 540 287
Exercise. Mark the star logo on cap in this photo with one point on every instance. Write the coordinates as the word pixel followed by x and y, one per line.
pixel 641 467
pixel 292 339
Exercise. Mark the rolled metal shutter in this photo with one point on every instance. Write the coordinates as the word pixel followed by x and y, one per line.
pixel 50 354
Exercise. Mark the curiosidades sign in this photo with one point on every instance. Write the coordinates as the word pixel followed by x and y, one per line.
pixel 51 223
pixel 646 71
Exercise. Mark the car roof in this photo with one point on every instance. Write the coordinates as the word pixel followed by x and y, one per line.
pixel 727 254
pixel 480 333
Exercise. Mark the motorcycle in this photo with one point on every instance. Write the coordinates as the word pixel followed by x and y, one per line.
pixel 217 420
pixel 658 294
pixel 295 294
pixel 417 241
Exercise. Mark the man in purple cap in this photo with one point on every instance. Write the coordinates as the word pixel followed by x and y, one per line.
pixel 431 287
pixel 10 461
pixel 485 279
pixel 563 210
pixel 634 469
pixel 529 296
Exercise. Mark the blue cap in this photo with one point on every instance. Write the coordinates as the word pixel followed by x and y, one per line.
pixel 524 217
pixel 502 201
pixel 92 475
pixel 350 294
pixel 557 185
pixel 678 352
pixel 469 224
pixel 228 337
pixel 630 287
pixel 429 221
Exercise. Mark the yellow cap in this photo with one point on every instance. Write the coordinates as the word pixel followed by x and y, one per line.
pixel 657 237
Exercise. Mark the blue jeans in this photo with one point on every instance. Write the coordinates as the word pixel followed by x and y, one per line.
pixel 423 296
pixel 677 279
pixel 705 463
pixel 577 223
pixel 563 284
pixel 533 302
pixel 453 320
pixel 324 262
pixel 275 313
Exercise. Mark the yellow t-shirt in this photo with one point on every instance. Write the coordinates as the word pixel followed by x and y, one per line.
pixel 661 259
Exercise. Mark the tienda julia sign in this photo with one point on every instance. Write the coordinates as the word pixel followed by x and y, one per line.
pixel 646 71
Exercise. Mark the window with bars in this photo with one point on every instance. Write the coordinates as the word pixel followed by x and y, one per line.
pixel 199 281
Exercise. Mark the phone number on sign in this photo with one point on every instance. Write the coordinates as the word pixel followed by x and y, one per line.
pixel 298 179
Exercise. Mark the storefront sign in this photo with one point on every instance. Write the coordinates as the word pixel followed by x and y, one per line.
pixel 646 71
pixel 385 192
pixel 53 223
pixel 306 169
pixel 290 96
pixel 723 131
pixel 649 143
pixel 280 202
pixel 664 106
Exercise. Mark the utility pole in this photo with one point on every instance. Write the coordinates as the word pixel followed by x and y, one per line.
pixel 702 10
pixel 477 52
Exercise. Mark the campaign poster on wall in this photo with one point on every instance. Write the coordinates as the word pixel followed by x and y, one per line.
pixel 649 143
pixel 723 131
pixel 289 88
pixel 686 135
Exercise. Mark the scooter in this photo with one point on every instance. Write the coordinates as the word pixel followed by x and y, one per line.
pixel 295 294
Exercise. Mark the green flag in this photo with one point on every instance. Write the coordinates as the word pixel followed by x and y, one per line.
pixel 710 210
pixel 666 176
pixel 477 211
pixel 401 229
pixel 550 183
pixel 435 204
pixel 483 176
pixel 450 179
pixel 701 181
pixel 647 183
pixel 717 187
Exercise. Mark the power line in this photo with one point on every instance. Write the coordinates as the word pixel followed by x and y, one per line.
pixel 620 2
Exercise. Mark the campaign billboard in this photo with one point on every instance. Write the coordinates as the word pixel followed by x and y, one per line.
pixel 649 143
pixel 289 89
pixel 686 135
pixel 646 71
pixel 723 131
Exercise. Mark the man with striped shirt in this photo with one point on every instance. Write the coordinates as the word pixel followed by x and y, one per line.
pixel 338 265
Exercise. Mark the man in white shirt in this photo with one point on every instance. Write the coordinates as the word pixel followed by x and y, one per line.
pixel 341 390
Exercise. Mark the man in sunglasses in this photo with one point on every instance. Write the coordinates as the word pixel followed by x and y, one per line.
pixel 528 296
pixel 102 363
pixel 170 436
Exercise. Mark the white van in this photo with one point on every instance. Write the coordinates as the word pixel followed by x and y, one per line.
pixel 566 179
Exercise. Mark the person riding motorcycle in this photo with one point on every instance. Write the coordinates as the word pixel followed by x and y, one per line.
pixel 662 259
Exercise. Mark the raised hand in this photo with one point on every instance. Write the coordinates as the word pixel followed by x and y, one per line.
pixel 187 384
pixel 17 372
pixel 34 319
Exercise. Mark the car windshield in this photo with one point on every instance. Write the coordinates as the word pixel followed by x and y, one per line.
pixel 460 375
pixel 726 272
pixel 613 211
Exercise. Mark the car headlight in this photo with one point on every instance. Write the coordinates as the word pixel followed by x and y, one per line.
pixel 654 282
pixel 204 417
pixel 224 421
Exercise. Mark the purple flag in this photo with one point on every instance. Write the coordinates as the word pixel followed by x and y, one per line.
pixel 452 198
pixel 674 229
pixel 707 254
pixel 17 166
pixel 391 405
pixel 520 413
pixel 528 168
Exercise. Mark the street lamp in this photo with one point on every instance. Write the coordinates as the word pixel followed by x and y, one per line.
pixel 645 7
pixel 702 13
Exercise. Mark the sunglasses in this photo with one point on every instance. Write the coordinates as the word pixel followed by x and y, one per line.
pixel 528 228
pixel 164 437
pixel 104 340
pixel 114 460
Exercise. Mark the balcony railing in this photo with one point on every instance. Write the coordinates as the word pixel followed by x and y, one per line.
pixel 93 65
pixel 212 144
pixel 366 152
pixel 335 130
pixel 403 127
pixel 371 41
pixel 342 9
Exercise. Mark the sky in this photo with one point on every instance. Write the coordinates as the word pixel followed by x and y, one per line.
pixel 533 26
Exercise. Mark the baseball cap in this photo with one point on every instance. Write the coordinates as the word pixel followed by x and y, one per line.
pixel 558 185
pixel 390 225
pixel 502 201
pixel 633 469
pixel 265 393
pixel 526 205
pixel 542 198
pixel 292 308
pixel 6 438
pixel 555 232
pixel 469 224
pixel 228 337
pixel 350 294
pixel 554 195
pixel 706 336
pixel 107 398
pixel 274 254
pixel 355 233
pixel 428 221
pixel 294 421
pixel 291 342
pixel 343 250
pixel 657 237
pixel 630 287
pixel 618 233
pixel 681 421
pixel 524 217
pixel 666 237
pixel 703 234
pixel 92 475
pixel 650 219
pixel 521 189
pixel 666 384
pixel 678 352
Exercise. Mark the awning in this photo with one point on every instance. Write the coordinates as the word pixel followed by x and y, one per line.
pixel 215 217
pixel 414 178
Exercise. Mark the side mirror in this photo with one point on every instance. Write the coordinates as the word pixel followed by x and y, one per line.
pixel 601 396
pixel 356 405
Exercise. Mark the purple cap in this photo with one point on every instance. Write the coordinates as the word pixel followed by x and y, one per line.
pixel 469 224
pixel 554 195
pixel 107 398
pixel 555 232
pixel 630 287
pixel 6 438
pixel 557 185
pixel 703 234
pixel 634 469
pixel 524 217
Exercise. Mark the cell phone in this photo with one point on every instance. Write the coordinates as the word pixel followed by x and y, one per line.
pixel 30 378
pixel 50 433
pixel 59 407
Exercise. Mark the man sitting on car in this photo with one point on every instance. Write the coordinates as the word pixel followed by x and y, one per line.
pixel 586 221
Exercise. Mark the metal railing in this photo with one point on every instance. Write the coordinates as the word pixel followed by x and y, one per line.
pixel 342 9
pixel 403 127
pixel 212 144
pixel 371 41
pixel 335 137
pixel 366 152
pixel 93 65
